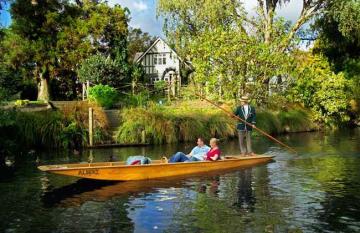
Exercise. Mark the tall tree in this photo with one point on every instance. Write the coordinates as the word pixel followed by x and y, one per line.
pixel 138 41
pixel 187 18
pixel 339 32
pixel 54 36
pixel 339 40
pixel 195 27
pixel 267 12
pixel 37 25
pixel 98 29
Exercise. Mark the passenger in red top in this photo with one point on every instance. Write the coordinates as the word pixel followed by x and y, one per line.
pixel 214 153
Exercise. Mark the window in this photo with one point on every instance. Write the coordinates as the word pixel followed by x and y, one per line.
pixel 160 59
pixel 164 59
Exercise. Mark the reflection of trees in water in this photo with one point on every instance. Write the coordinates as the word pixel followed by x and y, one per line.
pixel 109 216
pixel 332 179
pixel 234 202
pixel 83 211
pixel 341 213
pixel 104 205
pixel 267 214
pixel 339 178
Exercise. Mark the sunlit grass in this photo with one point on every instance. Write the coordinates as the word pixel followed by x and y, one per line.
pixel 169 125
pixel 186 122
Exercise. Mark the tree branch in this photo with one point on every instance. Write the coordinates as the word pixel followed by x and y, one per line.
pixel 310 8
pixel 261 8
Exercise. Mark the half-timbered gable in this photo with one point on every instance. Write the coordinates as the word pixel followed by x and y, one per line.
pixel 160 62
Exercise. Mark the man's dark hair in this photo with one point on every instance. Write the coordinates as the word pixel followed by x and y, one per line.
pixel 201 138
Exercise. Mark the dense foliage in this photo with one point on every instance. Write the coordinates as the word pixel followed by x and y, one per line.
pixel 229 47
pixel 10 83
pixel 103 95
pixel 339 33
pixel 48 40
pixel 235 52
pixel 339 40
pixel 225 61
pixel 139 41
pixel 320 89
pixel 99 69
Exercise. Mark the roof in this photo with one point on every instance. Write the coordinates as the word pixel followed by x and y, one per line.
pixel 137 59
pixel 137 55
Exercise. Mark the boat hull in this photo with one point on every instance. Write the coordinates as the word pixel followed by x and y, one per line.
pixel 120 172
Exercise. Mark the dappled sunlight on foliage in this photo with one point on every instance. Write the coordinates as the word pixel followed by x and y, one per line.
pixel 321 90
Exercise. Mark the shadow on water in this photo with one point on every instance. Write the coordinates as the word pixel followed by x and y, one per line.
pixel 51 198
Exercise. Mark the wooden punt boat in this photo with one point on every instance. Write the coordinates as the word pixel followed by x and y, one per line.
pixel 119 171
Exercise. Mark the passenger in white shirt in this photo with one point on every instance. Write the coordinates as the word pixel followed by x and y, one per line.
pixel 196 154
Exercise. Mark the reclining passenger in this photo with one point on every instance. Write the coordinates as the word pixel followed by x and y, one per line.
pixel 198 153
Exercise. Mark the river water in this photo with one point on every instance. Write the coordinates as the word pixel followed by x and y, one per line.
pixel 317 190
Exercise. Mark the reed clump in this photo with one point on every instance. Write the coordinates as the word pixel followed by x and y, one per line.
pixel 169 125
pixel 65 128
pixel 180 123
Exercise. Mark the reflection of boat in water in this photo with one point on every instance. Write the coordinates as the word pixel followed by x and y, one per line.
pixel 88 190
pixel 121 172
pixel 85 190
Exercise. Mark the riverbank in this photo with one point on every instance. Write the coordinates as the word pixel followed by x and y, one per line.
pixel 185 121
pixel 182 121
pixel 50 128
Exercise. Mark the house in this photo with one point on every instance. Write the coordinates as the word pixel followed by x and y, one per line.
pixel 161 63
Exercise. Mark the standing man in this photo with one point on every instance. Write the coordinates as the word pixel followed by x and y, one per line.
pixel 247 113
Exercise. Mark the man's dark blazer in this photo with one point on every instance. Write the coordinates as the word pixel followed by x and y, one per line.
pixel 251 118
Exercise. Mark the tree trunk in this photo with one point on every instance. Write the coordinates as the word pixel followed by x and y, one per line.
pixel 268 26
pixel 43 89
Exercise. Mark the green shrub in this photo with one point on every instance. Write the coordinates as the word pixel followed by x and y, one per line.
pixel 318 88
pixel 103 95
pixel 73 135
pixel 103 70
pixel 139 99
